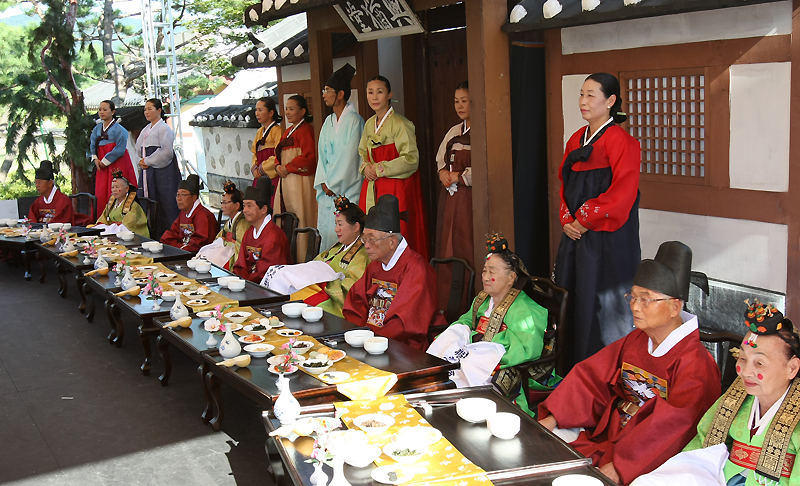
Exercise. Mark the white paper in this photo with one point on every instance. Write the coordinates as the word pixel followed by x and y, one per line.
pixel 478 360
pixel 288 279
pixel 216 252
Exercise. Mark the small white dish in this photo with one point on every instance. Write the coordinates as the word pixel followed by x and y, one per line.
pixel 192 264
pixel 202 267
pixel 361 455
pixel 289 332
pixel 145 268
pixel 376 345
pixel 223 281
pixel 310 366
pixel 576 480
pixel 197 302
pixel 475 410
pixel 381 474
pixel 302 348
pixel 273 369
pixel 169 295
pixel 366 423
pixel 164 277
pixel 259 350
pixel 236 285
pixel 206 314
pixel 420 450
pixel 201 292
pixel 311 314
pixel 251 339
pixel 274 360
pixel 237 316
pixel 334 376
pixel 503 425
pixel 54 226
pixel 293 309
pixel 249 328
pixel 180 284
pixel 126 235
pixel 357 337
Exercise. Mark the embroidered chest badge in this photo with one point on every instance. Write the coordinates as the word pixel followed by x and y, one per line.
pixel 380 302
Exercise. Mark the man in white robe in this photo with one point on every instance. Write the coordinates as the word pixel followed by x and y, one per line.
pixel 337 156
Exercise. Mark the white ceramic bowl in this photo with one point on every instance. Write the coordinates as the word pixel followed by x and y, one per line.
pixel 54 226
pixel 503 425
pixel 249 328
pixel 153 246
pixel 387 420
pixel 237 317
pixel 390 448
pixel 165 277
pixel 236 285
pixel 223 281
pixel 260 350
pixel 293 309
pixel 64 226
pixel 203 267
pixel 357 337
pixel 305 349
pixel 475 410
pixel 180 285
pixel 170 295
pixel 312 314
pixel 316 370
pixel 361 455
pixel 576 480
pixel 126 235
pixel 192 263
pixel 376 345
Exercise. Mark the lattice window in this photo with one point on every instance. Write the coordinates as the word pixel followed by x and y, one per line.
pixel 666 113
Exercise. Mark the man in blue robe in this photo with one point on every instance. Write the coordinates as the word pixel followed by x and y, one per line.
pixel 337 157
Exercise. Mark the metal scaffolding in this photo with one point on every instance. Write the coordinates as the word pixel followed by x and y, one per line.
pixel 161 62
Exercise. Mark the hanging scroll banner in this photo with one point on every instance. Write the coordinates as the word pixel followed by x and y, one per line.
pixel 375 19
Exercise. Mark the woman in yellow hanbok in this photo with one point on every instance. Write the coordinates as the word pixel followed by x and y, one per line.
pixel 123 207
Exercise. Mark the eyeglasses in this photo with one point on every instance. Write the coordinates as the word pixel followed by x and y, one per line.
pixel 630 299
pixel 326 91
pixel 372 241
pixel 179 195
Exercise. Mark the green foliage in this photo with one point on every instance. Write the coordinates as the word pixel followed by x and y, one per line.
pixel 16 187
pixel 197 84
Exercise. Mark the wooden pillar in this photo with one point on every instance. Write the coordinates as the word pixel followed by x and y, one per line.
pixel 320 54
pixel 555 132
pixel 490 121
pixel 793 208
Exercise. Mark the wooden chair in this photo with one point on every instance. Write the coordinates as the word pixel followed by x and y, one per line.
pixel 554 299
pixel 85 206
pixel 314 242
pixel 719 345
pixel 150 208
pixel 287 222
pixel 24 205
pixel 459 300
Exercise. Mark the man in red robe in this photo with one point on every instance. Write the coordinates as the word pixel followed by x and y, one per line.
pixel 196 226
pixel 396 297
pixel 52 206
pixel 637 402
pixel 264 244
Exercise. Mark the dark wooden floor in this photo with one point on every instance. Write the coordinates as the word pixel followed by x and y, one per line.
pixel 76 410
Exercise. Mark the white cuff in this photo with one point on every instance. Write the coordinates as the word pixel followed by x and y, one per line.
pixel 106 162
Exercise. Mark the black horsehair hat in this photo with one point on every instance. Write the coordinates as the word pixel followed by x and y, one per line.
pixel 261 194
pixel 45 171
pixel 192 184
pixel 340 80
pixel 668 272
pixel 385 215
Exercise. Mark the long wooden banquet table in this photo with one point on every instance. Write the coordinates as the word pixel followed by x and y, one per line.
pixel 28 246
pixel 78 266
pixel 415 369
pixel 533 457
pixel 141 309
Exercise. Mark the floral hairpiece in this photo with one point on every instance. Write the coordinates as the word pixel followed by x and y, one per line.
pixel 756 314
pixel 342 204
pixel 116 174
pixel 229 186
pixel 495 244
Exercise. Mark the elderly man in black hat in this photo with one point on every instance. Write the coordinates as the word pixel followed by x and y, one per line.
pixel 396 296
pixel 636 403
pixel 52 205
pixel 337 156
pixel 264 244
pixel 196 226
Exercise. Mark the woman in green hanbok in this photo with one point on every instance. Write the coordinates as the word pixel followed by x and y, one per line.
pixel 123 207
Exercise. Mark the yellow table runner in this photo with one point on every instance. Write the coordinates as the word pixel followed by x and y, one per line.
pixel 214 299
pixel 444 465
pixel 365 382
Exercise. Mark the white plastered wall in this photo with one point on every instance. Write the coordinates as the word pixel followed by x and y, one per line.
pixel 742 251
